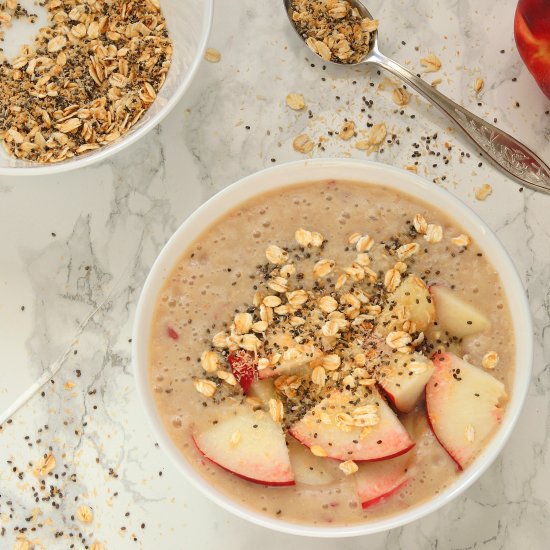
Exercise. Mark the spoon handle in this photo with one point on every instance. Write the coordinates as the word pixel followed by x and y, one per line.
pixel 507 153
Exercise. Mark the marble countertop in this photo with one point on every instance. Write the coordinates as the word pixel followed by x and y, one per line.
pixel 75 249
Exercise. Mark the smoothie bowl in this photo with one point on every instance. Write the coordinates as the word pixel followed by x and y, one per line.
pixel 332 348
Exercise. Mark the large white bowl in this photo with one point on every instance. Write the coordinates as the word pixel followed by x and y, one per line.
pixel 368 172
pixel 189 23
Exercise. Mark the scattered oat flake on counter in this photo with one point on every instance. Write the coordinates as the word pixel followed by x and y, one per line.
pixel 431 63
pixel 400 96
pixel 376 136
pixel 478 85
pixel 84 514
pixel 212 55
pixel 347 131
pixel 295 101
pixel 483 192
pixel 21 543
pixel 45 465
pixel 303 144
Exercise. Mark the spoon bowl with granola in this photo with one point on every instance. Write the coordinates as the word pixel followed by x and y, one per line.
pixel 325 350
pixel 95 77
pixel 344 32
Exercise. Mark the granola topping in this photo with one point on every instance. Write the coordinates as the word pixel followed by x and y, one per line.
pixel 86 81
pixel 339 332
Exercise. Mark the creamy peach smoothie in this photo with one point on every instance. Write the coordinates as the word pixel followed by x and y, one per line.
pixel 332 352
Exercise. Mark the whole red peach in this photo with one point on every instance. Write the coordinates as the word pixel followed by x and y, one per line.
pixel 532 34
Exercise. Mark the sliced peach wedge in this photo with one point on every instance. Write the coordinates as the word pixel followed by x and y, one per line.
pixel 413 296
pixel 464 406
pixel 455 315
pixel 405 378
pixel 310 469
pixel 377 481
pixel 348 426
pixel 248 444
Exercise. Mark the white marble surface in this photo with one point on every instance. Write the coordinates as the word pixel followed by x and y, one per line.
pixel 73 242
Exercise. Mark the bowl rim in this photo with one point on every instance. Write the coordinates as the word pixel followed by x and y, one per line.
pixel 127 140
pixel 301 172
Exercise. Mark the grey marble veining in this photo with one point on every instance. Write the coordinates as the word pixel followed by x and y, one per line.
pixel 81 242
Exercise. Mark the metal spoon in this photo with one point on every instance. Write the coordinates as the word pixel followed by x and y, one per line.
pixel 505 152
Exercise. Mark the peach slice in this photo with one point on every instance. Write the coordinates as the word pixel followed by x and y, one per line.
pixel 378 481
pixel 310 469
pixel 414 296
pixel 248 444
pixel 455 315
pixel 322 427
pixel 464 406
pixel 405 379
pixel 243 367
pixel 263 389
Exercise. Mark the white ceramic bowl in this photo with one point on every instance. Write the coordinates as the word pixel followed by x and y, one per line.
pixel 189 23
pixel 314 170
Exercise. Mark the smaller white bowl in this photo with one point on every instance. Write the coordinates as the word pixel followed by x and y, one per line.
pixel 358 171
pixel 189 23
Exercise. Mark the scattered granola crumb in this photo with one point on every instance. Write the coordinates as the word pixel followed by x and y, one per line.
pixel 407 250
pixel 276 255
pixel 483 192
pixel 461 240
pixel 319 376
pixel 420 224
pixel 206 387
pixel 436 82
pixel 490 360
pixel 348 467
pixel 398 339
pixel 412 168
pixel 431 63
pixel 234 439
pixel 212 55
pixel 322 268
pixel 303 144
pixel 276 410
pixel 295 101
pixel 317 450
pixel 210 361
pixel 434 233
